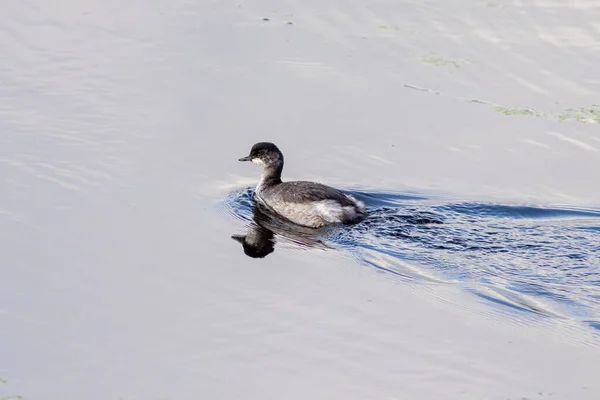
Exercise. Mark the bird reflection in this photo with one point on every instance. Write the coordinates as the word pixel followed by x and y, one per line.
pixel 259 240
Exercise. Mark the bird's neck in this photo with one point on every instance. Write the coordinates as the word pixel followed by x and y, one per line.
pixel 271 176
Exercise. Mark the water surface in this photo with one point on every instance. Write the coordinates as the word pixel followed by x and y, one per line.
pixel 535 259
pixel 120 129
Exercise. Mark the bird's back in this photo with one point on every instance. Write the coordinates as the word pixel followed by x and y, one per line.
pixel 311 204
pixel 306 192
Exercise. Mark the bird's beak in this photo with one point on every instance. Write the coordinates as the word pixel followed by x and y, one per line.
pixel 247 158
pixel 239 238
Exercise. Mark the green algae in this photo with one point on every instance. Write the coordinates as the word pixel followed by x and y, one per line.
pixel 12 397
pixel 584 115
pixel 518 111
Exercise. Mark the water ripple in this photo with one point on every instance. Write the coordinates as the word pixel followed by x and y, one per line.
pixel 542 260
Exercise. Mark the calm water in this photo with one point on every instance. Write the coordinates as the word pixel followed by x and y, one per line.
pixel 533 259
pixel 121 124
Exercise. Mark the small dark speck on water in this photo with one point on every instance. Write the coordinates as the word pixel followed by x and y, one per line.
pixel 266 19
pixel 290 23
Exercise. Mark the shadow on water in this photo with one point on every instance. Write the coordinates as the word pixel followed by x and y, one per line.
pixel 531 259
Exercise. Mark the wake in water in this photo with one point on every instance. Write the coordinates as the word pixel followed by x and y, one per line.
pixel 532 259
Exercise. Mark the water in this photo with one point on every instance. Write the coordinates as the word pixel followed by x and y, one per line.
pixel 121 124
pixel 532 259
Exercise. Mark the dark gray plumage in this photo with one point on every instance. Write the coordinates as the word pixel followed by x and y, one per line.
pixel 305 203
pixel 304 192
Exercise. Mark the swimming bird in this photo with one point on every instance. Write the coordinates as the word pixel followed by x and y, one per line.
pixel 304 203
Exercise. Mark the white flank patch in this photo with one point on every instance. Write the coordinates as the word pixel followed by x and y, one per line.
pixel 330 210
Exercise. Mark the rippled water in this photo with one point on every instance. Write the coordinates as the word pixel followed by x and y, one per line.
pixel 530 258
pixel 120 127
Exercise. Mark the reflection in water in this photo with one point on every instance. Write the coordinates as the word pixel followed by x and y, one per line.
pixel 537 260
pixel 259 240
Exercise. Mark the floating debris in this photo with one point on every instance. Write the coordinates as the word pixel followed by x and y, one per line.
pixel 443 61
pixel 421 88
